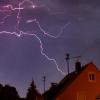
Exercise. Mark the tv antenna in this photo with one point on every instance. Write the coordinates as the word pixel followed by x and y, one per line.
pixel 68 58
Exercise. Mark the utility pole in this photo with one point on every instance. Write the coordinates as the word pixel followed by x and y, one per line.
pixel 67 60
pixel 44 80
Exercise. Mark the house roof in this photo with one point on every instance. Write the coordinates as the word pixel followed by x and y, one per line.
pixel 65 82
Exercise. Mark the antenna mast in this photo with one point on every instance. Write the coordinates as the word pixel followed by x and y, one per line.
pixel 44 80
pixel 67 59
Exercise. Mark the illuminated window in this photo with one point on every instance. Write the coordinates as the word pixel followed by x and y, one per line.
pixel 92 76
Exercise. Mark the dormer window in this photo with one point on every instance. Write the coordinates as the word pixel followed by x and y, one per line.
pixel 92 76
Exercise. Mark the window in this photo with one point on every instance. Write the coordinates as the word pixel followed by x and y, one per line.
pixel 92 76
pixel 81 95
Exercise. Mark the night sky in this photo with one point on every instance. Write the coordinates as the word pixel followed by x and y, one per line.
pixel 21 58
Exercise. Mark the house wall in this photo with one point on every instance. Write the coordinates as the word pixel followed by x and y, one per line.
pixel 82 88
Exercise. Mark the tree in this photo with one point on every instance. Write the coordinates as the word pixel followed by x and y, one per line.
pixel 1 89
pixel 32 93
pixel 9 93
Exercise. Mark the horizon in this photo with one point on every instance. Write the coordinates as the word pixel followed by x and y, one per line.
pixel 36 35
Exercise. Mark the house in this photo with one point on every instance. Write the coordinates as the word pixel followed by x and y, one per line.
pixel 82 84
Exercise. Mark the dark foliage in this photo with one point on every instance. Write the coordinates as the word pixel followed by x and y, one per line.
pixel 32 93
pixel 8 93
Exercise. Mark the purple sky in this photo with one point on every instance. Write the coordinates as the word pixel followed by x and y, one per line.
pixel 21 59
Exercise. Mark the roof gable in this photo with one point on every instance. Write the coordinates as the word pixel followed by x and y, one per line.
pixel 67 81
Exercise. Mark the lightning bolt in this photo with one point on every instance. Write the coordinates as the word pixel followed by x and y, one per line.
pixel 10 8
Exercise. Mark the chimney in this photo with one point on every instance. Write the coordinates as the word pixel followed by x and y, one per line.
pixel 53 85
pixel 77 67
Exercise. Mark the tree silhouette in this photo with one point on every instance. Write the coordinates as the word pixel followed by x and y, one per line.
pixel 32 93
pixel 9 93
pixel 1 88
